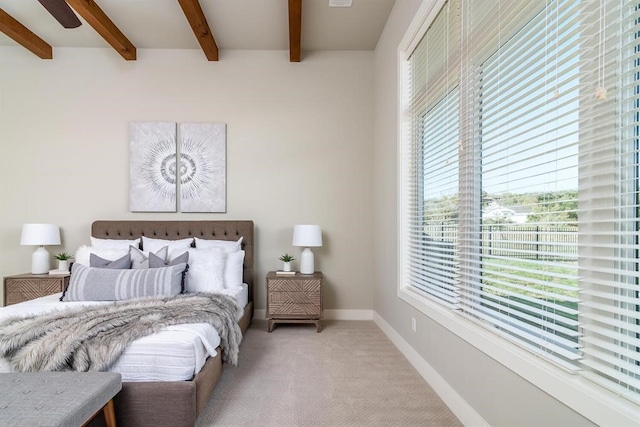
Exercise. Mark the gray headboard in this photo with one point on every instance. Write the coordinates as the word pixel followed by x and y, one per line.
pixel 173 230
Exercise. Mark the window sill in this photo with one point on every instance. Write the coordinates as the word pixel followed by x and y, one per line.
pixel 588 399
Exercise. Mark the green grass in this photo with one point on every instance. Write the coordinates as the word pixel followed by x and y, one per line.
pixel 526 278
pixel 532 291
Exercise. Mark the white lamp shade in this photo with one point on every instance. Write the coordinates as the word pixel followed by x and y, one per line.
pixel 40 234
pixel 307 236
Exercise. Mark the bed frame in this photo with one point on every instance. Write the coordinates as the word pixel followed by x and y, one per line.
pixel 177 403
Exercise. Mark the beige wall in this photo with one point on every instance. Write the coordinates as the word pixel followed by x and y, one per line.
pixel 299 148
pixel 495 393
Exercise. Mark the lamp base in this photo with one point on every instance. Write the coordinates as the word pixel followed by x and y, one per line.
pixel 306 262
pixel 40 261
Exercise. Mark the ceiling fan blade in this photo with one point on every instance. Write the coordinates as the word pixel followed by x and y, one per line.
pixel 60 10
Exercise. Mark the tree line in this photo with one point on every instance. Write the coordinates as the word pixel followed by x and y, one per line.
pixel 540 207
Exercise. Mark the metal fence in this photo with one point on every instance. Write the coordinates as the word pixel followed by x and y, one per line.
pixel 525 241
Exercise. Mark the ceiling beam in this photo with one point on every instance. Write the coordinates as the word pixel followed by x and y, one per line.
pixel 21 34
pixel 295 29
pixel 198 22
pixel 100 22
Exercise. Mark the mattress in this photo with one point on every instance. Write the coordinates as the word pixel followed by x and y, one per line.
pixel 176 353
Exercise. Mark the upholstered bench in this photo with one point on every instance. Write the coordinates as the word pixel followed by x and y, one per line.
pixel 57 398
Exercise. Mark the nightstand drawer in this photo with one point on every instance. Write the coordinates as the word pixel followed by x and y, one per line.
pixel 295 285
pixel 294 304
pixel 27 287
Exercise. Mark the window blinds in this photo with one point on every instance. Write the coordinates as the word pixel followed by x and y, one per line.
pixel 524 282
pixel 610 290
pixel 521 177
pixel 432 223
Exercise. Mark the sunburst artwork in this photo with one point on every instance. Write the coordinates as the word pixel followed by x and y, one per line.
pixel 167 159
pixel 153 168
pixel 202 148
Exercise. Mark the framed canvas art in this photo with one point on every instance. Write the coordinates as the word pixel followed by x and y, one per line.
pixel 203 156
pixel 153 169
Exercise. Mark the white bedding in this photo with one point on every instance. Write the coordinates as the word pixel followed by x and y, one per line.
pixel 174 354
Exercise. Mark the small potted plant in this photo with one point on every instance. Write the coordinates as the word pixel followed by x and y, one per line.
pixel 286 260
pixel 63 260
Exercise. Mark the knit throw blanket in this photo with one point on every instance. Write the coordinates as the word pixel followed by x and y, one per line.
pixel 92 338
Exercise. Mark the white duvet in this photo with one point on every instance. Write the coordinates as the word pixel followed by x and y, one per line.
pixel 176 353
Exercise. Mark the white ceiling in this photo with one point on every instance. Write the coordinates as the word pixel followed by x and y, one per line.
pixel 236 24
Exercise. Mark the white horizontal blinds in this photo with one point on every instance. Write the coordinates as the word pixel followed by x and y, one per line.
pixel 433 218
pixel 526 92
pixel 524 177
pixel 438 239
pixel 610 308
pixel 433 62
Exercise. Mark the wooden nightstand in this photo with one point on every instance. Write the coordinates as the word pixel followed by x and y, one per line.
pixel 294 299
pixel 24 287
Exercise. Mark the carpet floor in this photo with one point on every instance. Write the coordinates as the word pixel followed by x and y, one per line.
pixel 350 374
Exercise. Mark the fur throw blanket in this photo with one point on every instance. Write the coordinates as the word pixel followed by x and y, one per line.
pixel 92 338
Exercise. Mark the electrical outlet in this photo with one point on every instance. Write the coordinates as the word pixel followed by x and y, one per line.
pixel 340 3
pixel 413 324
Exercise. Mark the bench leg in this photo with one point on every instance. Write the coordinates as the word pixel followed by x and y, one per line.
pixel 109 414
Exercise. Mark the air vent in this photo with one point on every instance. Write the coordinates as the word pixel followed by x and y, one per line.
pixel 340 3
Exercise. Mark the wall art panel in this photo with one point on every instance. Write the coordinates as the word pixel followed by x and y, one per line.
pixel 153 170
pixel 203 158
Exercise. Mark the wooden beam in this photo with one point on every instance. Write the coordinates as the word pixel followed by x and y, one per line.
pixel 100 22
pixel 295 29
pixel 198 22
pixel 21 34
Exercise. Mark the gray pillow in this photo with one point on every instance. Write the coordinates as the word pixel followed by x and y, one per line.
pixel 156 261
pixel 140 260
pixel 101 284
pixel 120 263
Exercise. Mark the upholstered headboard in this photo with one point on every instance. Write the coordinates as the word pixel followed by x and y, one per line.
pixel 173 230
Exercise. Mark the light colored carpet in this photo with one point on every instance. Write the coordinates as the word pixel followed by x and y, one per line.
pixel 350 374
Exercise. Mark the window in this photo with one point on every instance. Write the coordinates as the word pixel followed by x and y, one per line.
pixel 525 279
pixel 433 221
pixel 520 207
pixel 435 267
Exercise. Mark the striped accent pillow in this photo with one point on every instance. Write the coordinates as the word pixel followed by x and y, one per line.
pixel 99 284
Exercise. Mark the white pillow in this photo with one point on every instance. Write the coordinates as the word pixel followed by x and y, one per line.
pixel 83 254
pixel 227 245
pixel 154 245
pixel 206 269
pixel 233 270
pixel 114 243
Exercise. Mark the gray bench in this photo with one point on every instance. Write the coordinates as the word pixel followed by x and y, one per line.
pixel 57 398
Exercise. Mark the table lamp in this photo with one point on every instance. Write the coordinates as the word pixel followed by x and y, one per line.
pixel 40 235
pixel 307 236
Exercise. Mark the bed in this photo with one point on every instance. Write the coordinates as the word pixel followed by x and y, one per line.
pixel 178 403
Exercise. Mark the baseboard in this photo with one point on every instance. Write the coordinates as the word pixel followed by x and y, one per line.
pixel 261 314
pixel 465 413
pixel 348 314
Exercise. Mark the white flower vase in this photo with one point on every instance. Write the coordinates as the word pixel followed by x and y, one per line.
pixel 286 266
pixel 63 264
